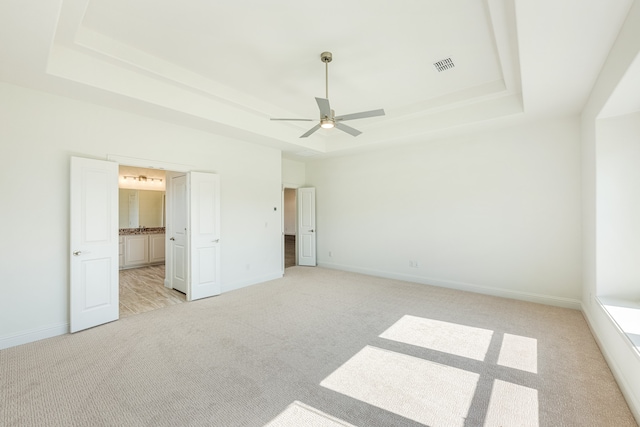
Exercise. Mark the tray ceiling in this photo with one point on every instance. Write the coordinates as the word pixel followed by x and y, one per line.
pixel 227 67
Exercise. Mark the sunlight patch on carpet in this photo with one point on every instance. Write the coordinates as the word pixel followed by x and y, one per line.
pixel 519 352
pixel 298 414
pixel 423 391
pixel 512 405
pixel 452 338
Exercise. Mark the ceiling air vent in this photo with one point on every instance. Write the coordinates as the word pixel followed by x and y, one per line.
pixel 444 64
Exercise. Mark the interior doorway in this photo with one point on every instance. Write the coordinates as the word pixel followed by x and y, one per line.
pixel 95 241
pixel 142 222
pixel 290 227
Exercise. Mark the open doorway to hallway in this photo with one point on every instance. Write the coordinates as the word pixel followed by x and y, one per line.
pixel 290 227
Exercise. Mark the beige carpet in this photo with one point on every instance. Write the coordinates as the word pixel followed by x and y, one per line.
pixel 331 347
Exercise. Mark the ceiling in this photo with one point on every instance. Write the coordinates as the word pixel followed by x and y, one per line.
pixel 226 67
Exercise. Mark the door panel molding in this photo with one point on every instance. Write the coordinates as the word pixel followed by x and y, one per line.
pixel 94 293
pixel 204 235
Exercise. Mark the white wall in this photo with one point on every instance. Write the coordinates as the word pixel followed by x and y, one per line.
pixel 618 206
pixel 497 212
pixel 293 176
pixel 40 132
pixel 622 358
pixel 293 173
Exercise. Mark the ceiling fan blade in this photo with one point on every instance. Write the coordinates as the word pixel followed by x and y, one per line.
pixel 362 115
pixel 348 129
pixel 298 120
pixel 310 131
pixel 323 105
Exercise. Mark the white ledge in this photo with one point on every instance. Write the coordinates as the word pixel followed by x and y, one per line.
pixel 625 313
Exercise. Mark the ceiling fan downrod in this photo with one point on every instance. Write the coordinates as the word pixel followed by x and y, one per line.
pixel 326 57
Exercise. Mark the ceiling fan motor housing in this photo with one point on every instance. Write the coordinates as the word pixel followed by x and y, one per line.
pixel 326 57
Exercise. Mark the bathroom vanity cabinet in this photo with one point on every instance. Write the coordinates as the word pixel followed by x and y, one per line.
pixel 139 250
pixel 156 248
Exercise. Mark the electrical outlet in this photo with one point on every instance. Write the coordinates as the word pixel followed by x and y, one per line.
pixel 330 253
pixel 413 263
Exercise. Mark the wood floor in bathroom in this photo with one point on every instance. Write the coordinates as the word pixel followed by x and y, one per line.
pixel 142 289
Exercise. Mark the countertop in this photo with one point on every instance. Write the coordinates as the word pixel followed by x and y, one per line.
pixel 146 230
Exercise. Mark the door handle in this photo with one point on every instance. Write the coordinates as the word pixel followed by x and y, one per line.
pixel 215 241
pixel 172 239
pixel 77 253
pixel 311 231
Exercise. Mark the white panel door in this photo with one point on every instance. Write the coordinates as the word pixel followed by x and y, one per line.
pixel 94 243
pixel 306 243
pixel 178 259
pixel 204 191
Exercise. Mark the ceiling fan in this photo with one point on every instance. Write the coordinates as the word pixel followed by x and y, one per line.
pixel 328 119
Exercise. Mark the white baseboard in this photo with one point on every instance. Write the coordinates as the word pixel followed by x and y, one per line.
pixel 469 287
pixel 33 335
pixel 63 328
pixel 253 281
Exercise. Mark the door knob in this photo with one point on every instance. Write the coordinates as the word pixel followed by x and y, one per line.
pixel 311 231
pixel 172 239
pixel 215 241
pixel 77 253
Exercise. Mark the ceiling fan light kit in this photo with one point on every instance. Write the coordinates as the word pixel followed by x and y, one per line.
pixel 327 123
pixel 328 119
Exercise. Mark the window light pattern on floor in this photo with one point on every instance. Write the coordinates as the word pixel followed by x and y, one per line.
pixel 452 338
pixel 512 405
pixel 423 391
pixel 436 394
pixel 519 352
pixel 298 414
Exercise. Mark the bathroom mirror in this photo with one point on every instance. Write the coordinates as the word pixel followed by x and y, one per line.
pixel 144 208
